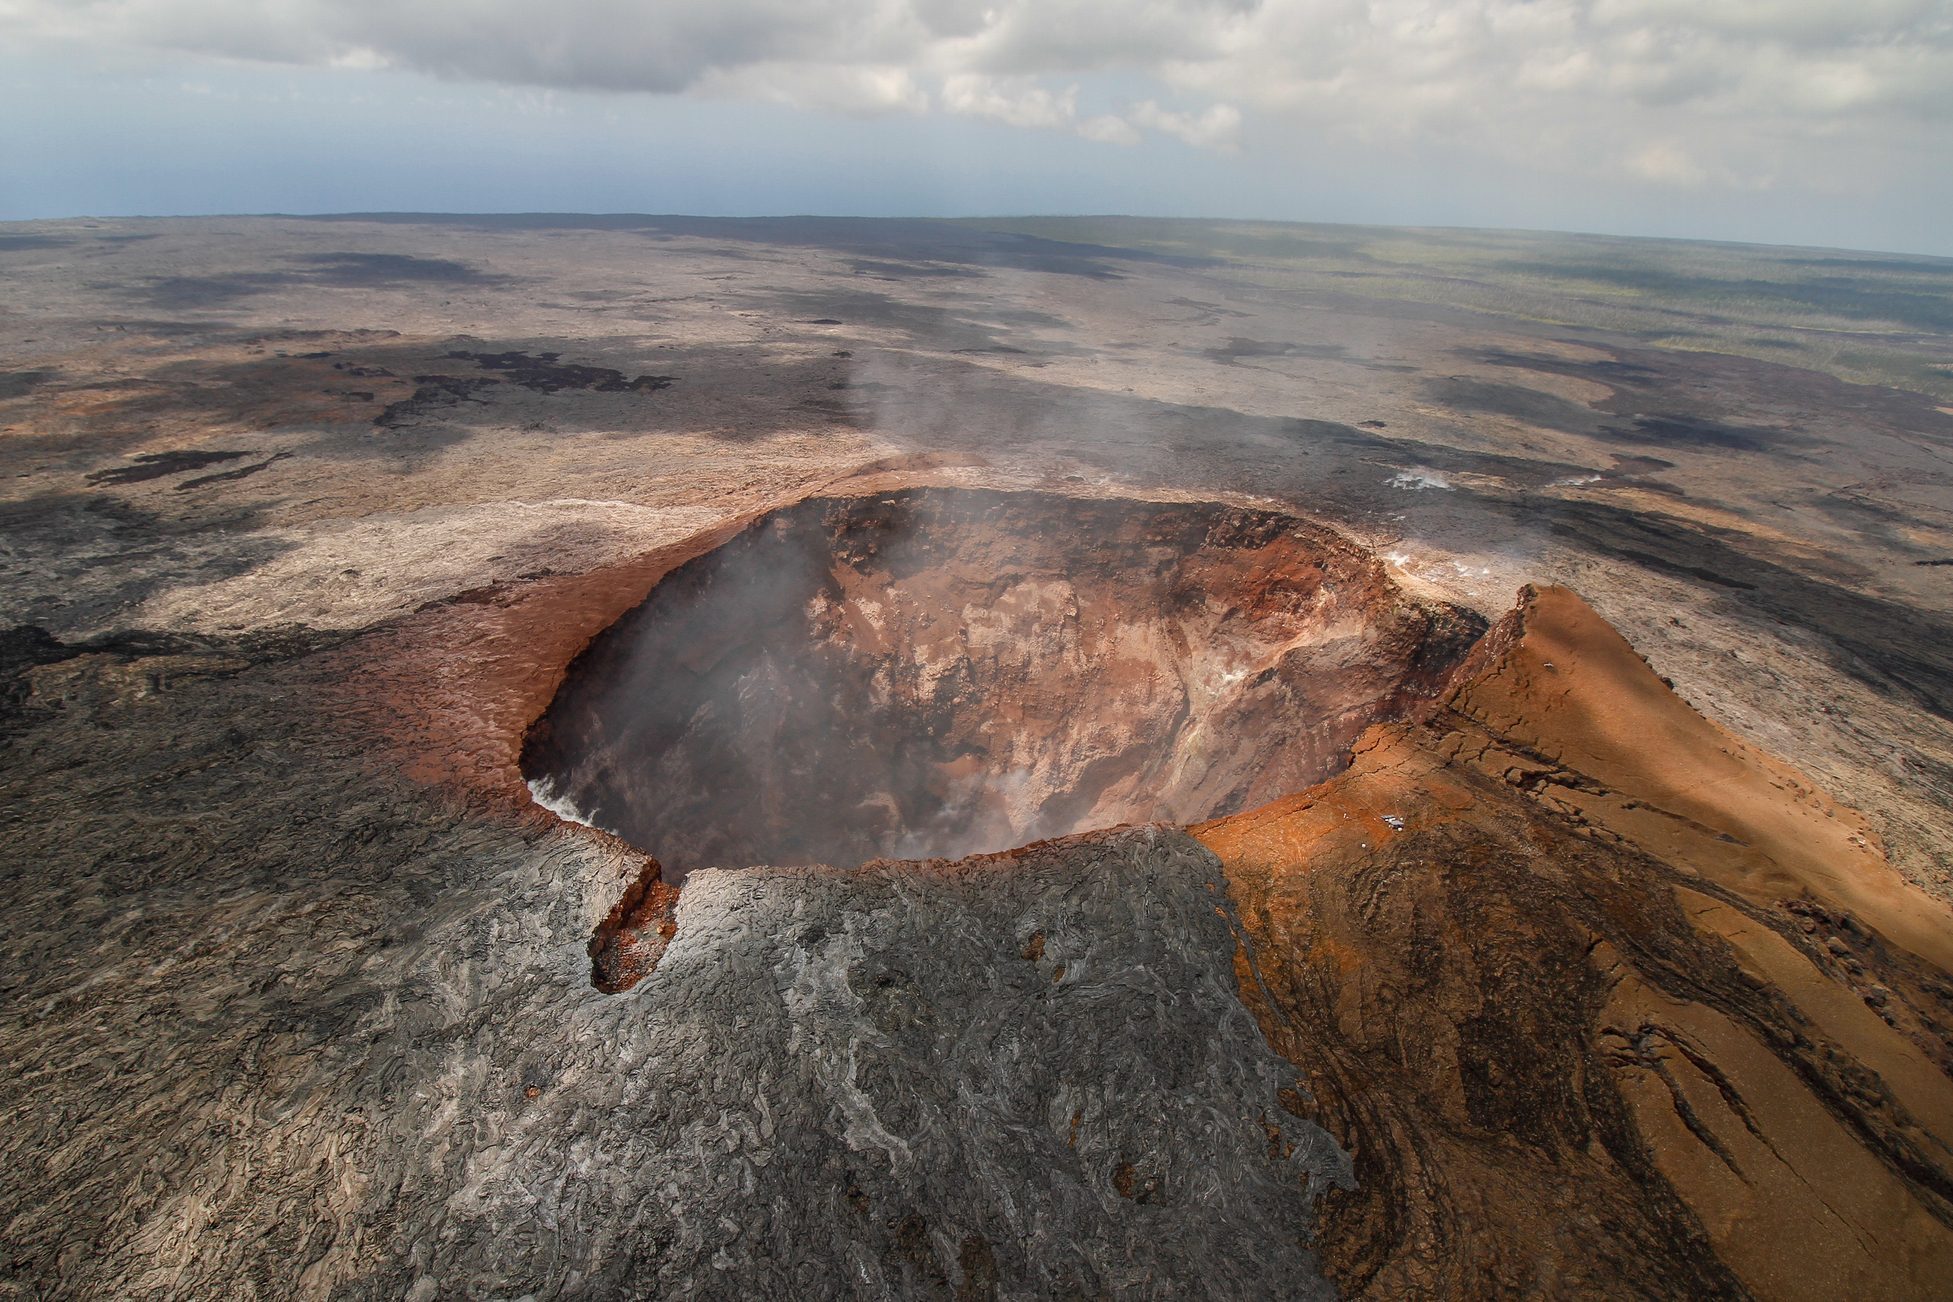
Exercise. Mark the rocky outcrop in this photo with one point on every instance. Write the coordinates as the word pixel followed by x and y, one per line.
pixel 634 935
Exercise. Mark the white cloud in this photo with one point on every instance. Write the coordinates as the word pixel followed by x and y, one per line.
pixel 1216 127
pixel 861 91
pixel 1109 129
pixel 1019 105
pixel 1666 163
pixel 1561 86
pixel 1022 102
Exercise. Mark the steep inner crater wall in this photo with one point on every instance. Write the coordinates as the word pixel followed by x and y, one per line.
pixel 941 672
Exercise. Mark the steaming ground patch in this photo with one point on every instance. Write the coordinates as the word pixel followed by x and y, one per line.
pixel 544 793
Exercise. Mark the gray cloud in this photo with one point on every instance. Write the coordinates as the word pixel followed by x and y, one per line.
pixel 1735 94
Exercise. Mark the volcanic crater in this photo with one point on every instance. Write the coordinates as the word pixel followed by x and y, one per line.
pixel 938 672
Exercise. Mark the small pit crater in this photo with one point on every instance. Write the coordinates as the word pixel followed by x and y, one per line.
pixel 943 672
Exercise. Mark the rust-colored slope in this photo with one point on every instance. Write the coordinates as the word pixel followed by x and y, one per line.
pixel 1570 690
pixel 1624 1005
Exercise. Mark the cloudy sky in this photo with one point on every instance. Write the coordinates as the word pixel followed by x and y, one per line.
pixel 1795 121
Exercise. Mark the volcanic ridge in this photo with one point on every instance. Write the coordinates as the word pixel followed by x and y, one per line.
pixel 1533 931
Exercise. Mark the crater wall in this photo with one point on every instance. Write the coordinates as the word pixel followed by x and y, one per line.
pixel 941 672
